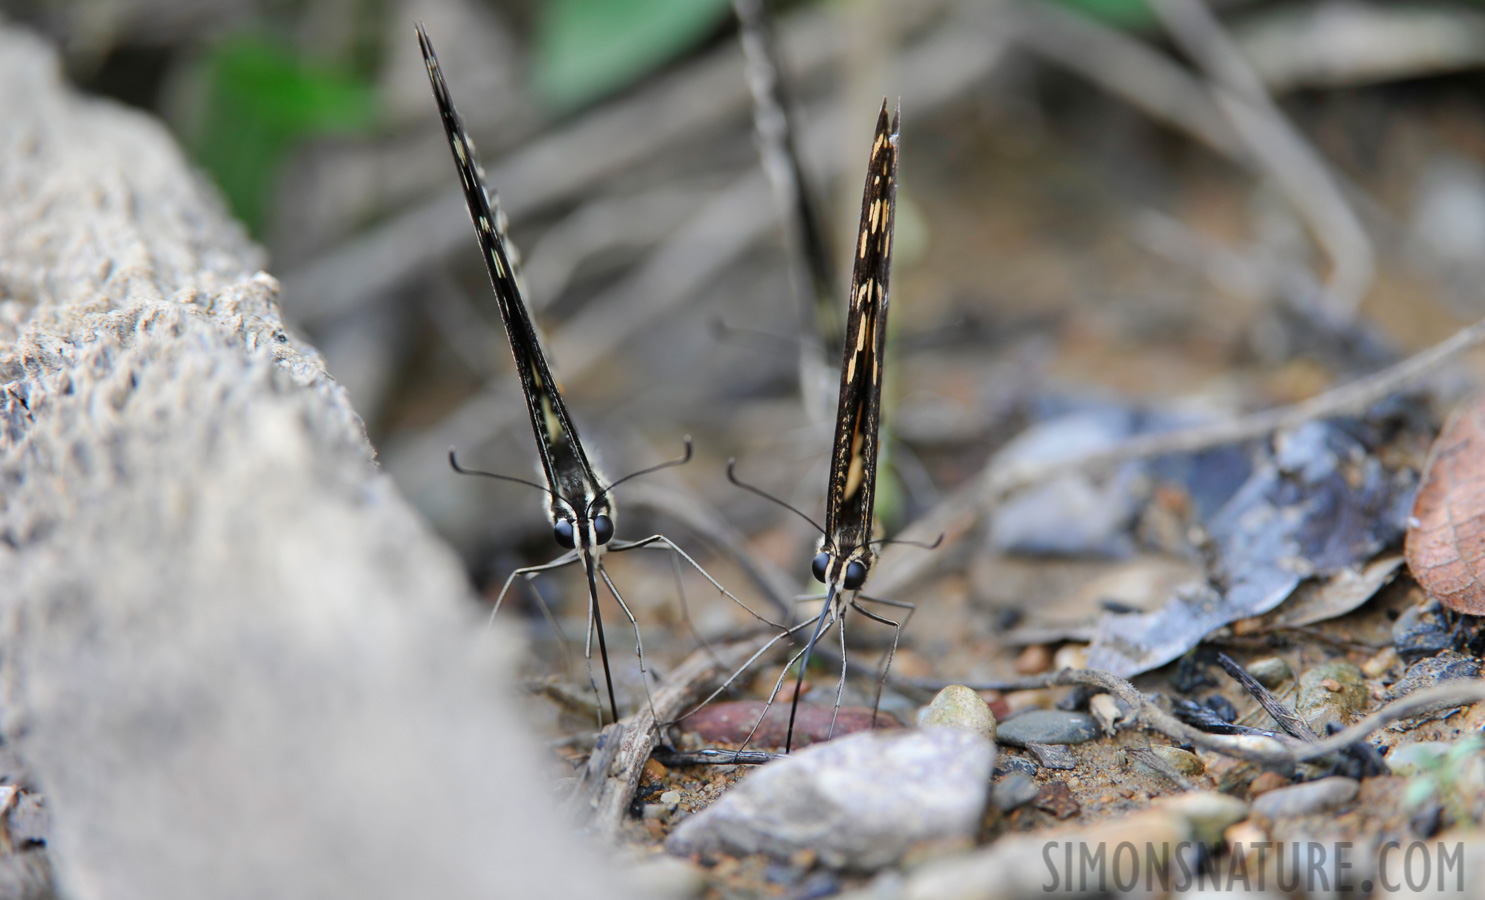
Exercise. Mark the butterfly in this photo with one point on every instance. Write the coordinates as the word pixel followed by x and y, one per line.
pixel 846 553
pixel 580 507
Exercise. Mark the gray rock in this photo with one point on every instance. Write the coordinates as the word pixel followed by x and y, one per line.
pixel 859 802
pixel 1305 799
pixel 1013 791
pixel 956 706
pixel 228 640
pixel 1208 813
pixel 1271 671
pixel 1053 756
pixel 1048 726
pixel 1332 692
pixel 1425 673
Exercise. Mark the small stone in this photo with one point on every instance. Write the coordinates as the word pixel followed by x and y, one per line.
pixel 1006 764
pixel 1207 813
pixel 1265 782
pixel 1034 660
pixel 1341 700
pixel 1057 798
pixel 860 801
pixel 1422 631
pixel 1182 761
pixel 1306 799
pixel 1381 664
pixel 956 706
pixel 1048 726
pixel 1070 656
pixel 1271 671
pixel 670 798
pixel 1053 756
pixel 1013 791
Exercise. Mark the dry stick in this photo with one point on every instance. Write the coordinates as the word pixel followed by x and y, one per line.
pixel 607 783
pixel 956 515
pixel 1281 151
pixel 565 164
pixel 1268 752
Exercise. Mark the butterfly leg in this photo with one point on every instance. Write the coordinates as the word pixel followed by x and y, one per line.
pixel 896 635
pixel 639 646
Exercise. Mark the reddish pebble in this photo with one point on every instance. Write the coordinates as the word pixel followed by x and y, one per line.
pixel 730 723
pixel 1265 782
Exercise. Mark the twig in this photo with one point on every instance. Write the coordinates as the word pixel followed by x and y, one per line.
pixel 1148 756
pixel 562 165
pixel 1292 724
pixel 1281 151
pixel 607 783
pixel 1272 753
pixel 960 512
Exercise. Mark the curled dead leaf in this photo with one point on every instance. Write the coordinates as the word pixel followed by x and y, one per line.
pixel 1446 537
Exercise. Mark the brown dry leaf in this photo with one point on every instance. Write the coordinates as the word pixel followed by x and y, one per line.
pixel 1446 537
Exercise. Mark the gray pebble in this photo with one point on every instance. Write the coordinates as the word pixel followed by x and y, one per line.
pixel 1271 671
pixel 1305 799
pixel 1013 791
pixel 1184 762
pixel 956 706
pixel 859 802
pixel 1422 631
pixel 1053 756
pixel 1007 764
pixel 1342 700
pixel 1048 726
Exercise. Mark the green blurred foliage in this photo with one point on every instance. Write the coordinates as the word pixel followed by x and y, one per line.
pixel 1132 14
pixel 259 99
pixel 588 48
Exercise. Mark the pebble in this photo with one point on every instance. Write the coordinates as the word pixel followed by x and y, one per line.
pixel 1182 761
pixel 1382 663
pixel 1271 671
pixel 1265 782
pixel 731 722
pixel 1332 692
pixel 956 706
pixel 1057 798
pixel 1048 726
pixel 1305 799
pixel 1421 631
pixel 859 801
pixel 1424 756
pixel 1071 656
pixel 664 878
pixel 1053 756
pixel 1007 764
pixel 1034 660
pixel 1013 791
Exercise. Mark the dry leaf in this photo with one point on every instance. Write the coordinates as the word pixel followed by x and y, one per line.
pixel 1446 538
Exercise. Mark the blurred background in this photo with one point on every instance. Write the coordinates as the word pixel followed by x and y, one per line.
pixel 1172 209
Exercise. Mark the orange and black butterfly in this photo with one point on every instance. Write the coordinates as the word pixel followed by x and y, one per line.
pixel 580 507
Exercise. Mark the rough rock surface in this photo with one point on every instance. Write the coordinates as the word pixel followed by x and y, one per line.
pixel 237 662
pixel 859 802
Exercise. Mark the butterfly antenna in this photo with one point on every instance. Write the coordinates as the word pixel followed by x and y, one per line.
pixel 454 462
pixel 732 477
pixel 937 542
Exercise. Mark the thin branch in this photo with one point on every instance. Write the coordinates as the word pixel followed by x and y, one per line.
pixel 1269 752
pixel 960 512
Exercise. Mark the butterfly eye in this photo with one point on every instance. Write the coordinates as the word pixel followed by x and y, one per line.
pixel 855 576
pixel 603 529
pixel 562 531
pixel 821 563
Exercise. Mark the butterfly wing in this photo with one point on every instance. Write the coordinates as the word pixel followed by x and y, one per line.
pixel 563 460
pixel 852 490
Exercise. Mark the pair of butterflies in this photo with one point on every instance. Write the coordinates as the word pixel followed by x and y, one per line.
pixel 580 505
